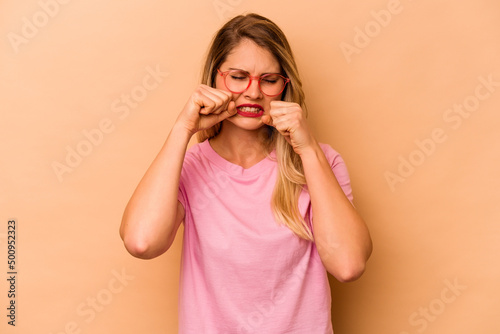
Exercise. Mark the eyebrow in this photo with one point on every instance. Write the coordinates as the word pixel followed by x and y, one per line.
pixel 239 69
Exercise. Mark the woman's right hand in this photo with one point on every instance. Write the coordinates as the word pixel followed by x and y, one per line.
pixel 206 107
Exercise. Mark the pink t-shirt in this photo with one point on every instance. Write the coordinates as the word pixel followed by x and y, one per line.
pixel 241 271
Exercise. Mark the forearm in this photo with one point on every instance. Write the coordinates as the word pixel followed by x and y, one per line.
pixel 151 219
pixel 341 236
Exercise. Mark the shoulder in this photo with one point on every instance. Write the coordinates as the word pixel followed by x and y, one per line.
pixel 194 149
pixel 195 152
pixel 333 157
pixel 339 168
pixel 194 160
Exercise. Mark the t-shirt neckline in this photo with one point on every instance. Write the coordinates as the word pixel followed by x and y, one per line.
pixel 234 169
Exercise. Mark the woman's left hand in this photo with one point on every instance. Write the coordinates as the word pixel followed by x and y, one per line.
pixel 289 119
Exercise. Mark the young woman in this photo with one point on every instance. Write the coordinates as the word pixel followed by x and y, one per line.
pixel 266 208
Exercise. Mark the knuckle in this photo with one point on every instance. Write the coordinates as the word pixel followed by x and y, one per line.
pixel 196 95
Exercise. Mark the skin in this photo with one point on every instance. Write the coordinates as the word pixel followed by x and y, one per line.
pixel 239 140
pixel 153 214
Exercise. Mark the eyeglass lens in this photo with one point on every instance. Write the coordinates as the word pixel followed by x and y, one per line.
pixel 270 84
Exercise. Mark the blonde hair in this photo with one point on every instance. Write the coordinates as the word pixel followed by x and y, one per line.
pixel 290 176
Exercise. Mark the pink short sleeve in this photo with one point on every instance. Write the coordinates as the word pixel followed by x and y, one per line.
pixel 339 169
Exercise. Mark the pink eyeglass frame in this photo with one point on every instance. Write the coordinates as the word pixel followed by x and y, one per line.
pixel 258 78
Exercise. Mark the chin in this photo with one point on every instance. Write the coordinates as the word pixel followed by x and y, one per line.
pixel 246 123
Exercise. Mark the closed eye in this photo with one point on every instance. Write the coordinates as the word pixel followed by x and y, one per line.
pixel 237 77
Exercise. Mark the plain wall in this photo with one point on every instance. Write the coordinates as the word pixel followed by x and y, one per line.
pixel 407 91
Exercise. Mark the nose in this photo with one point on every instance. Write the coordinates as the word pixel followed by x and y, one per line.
pixel 253 92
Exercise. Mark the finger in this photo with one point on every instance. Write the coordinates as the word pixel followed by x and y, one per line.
pixel 288 138
pixel 280 108
pixel 213 104
pixel 205 106
pixel 267 119
pixel 277 112
pixel 216 118
pixel 220 97
pixel 283 131
pixel 203 102
pixel 280 104
pixel 231 109
pixel 279 122
pixel 282 128
pixel 222 93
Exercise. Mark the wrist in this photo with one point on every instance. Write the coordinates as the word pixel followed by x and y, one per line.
pixel 181 133
pixel 311 150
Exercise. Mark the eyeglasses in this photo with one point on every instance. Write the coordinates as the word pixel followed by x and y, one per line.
pixel 271 84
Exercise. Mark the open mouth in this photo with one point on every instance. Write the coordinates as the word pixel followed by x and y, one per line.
pixel 253 110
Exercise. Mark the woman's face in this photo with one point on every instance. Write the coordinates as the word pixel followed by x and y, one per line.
pixel 249 57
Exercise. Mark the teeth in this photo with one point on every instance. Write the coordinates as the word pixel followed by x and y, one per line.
pixel 250 109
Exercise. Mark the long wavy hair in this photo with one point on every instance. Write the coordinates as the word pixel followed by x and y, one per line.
pixel 290 176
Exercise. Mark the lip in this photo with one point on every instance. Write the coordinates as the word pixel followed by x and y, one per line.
pixel 250 114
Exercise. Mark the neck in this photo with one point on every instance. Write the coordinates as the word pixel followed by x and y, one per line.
pixel 240 146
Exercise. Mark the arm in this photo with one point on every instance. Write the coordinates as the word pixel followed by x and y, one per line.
pixel 341 236
pixel 154 214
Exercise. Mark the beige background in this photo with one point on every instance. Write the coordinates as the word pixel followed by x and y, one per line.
pixel 376 91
